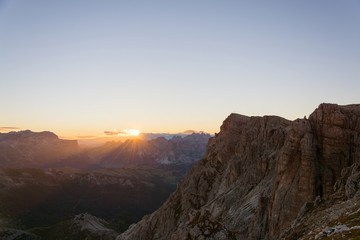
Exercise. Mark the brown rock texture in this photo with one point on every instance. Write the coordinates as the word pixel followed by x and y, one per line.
pixel 257 174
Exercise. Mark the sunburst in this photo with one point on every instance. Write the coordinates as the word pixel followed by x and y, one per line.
pixel 129 132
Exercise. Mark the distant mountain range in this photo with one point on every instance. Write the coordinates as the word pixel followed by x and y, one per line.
pixel 92 141
pixel 45 149
pixel 176 150
pixel 31 149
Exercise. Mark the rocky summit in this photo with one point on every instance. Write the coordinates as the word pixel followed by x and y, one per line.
pixel 268 178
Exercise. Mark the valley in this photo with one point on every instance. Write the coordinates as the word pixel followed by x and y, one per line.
pixel 112 186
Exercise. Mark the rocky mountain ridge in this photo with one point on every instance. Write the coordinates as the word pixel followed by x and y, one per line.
pixel 258 175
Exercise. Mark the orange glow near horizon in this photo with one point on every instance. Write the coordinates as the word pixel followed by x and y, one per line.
pixel 95 134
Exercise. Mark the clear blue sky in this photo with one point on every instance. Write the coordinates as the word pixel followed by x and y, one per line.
pixel 83 67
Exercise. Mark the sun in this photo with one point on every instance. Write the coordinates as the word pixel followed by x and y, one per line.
pixel 129 132
pixel 133 132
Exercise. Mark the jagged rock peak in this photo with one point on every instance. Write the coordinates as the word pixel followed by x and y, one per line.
pixel 336 115
pixel 235 123
pixel 257 174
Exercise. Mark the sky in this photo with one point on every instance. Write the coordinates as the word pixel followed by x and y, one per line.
pixel 79 68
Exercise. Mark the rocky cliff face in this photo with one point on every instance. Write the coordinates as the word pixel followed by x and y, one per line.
pixel 257 175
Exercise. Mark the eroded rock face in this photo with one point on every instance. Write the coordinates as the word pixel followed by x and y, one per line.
pixel 257 174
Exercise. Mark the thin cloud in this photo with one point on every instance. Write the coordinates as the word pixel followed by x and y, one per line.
pixel 85 137
pixel 9 129
pixel 189 132
pixel 112 132
pixel 124 132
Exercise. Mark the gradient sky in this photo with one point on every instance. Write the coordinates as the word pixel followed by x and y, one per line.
pixel 83 67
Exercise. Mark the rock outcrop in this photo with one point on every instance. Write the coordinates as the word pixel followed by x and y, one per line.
pixel 257 175
pixel 86 226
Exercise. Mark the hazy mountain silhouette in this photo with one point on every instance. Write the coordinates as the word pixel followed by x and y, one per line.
pixel 45 149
